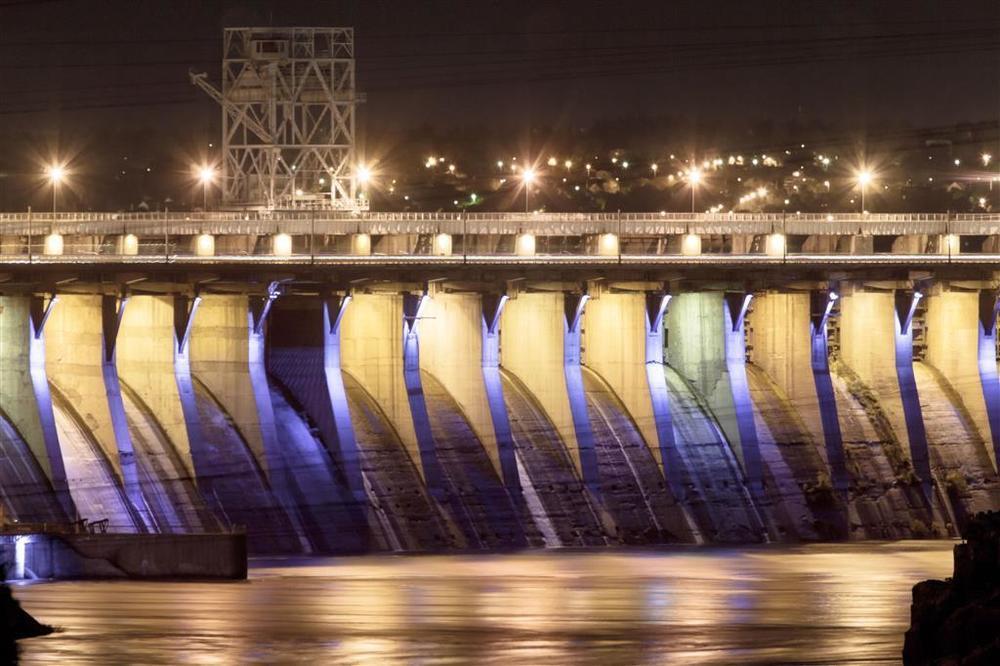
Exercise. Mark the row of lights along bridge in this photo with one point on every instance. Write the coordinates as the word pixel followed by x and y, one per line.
pixel 530 177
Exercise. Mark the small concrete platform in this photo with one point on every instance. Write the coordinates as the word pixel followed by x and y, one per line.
pixel 53 555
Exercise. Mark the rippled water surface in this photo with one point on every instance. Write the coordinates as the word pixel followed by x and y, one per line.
pixel 812 604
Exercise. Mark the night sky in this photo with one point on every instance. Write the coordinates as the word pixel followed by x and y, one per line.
pixel 508 64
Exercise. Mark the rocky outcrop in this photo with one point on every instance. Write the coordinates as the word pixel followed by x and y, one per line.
pixel 15 622
pixel 957 621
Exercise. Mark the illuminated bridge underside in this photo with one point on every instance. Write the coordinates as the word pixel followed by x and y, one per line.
pixel 433 403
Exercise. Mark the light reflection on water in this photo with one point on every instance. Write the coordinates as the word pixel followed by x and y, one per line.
pixel 842 603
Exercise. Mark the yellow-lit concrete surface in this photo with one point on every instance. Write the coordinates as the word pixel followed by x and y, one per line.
pixel 371 348
pixel 54 245
pixel 74 351
pixel 451 349
pixel 442 245
pixel 524 245
pixel 868 347
pixel 953 349
pixel 779 337
pixel 281 245
pixel 691 245
pixel 532 338
pixel 614 341
pixel 361 244
pixel 17 395
pixel 128 245
pixel 220 360
pixel 697 350
pixel 203 245
pixel 146 347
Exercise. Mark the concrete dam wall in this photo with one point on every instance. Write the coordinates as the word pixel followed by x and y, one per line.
pixel 391 418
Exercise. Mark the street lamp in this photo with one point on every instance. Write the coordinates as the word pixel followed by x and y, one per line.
pixel 527 177
pixel 55 173
pixel 864 178
pixel 206 175
pixel 693 178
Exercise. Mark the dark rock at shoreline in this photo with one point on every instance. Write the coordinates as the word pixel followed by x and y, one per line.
pixel 957 621
pixel 15 622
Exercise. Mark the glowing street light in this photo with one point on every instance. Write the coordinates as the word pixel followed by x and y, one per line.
pixel 527 177
pixel 364 175
pixel 693 179
pixel 206 175
pixel 56 173
pixel 987 158
pixel 864 178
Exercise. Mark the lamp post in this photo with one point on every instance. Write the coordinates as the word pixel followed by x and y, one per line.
pixel 56 174
pixel 864 178
pixel 206 175
pixel 693 178
pixel 527 177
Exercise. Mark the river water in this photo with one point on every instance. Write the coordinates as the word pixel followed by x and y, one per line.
pixel 815 604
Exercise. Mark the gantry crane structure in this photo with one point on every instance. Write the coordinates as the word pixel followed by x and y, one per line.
pixel 288 103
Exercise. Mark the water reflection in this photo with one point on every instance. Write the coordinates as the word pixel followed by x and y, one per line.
pixel 820 604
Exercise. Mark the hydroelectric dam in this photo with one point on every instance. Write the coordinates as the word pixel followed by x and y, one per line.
pixel 357 382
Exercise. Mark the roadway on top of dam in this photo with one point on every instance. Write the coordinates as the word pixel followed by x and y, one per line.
pixel 298 222
pixel 242 241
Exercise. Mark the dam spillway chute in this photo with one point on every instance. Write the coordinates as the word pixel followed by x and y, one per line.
pixel 232 482
pixel 27 495
pixel 563 501
pixel 716 494
pixel 479 502
pixel 632 488
pixel 169 491
pixel 307 481
pixel 802 501
pixel 96 490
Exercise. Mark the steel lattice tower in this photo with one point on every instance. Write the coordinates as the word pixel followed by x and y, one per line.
pixel 288 118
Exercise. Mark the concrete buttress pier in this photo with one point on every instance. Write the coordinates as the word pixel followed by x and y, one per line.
pixel 146 354
pixel 954 333
pixel 371 351
pixel 876 339
pixel 706 346
pixel 451 349
pixel 25 400
pixel 616 348
pixel 220 347
pixel 539 347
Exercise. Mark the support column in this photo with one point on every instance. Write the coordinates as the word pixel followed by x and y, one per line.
pixel 989 309
pixel 493 306
pixel 81 339
pixel 821 307
pixel 334 307
pixel 147 360
pixel 707 346
pixel 624 342
pixel 540 342
pixel 670 457
pixel 452 348
pixel 906 305
pixel 372 331
pixel 877 344
pixel 220 345
pixel 961 345
pixel 413 306
pixel 789 343
pixel 574 305
pixel 24 389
